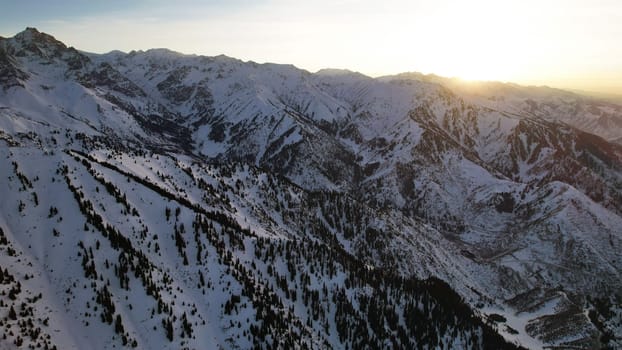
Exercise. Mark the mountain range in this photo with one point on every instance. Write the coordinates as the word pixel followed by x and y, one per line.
pixel 153 199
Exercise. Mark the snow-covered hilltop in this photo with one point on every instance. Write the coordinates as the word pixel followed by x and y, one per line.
pixel 153 199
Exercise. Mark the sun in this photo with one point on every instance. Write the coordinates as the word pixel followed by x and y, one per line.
pixel 480 67
pixel 475 41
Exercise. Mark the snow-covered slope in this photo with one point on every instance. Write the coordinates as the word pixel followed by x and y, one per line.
pixel 157 199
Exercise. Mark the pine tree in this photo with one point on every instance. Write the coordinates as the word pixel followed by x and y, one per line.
pixel 169 329
pixel 118 325
pixel 12 314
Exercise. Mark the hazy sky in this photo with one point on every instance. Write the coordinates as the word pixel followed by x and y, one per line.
pixel 564 43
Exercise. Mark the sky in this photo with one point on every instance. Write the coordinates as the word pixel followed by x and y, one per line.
pixel 575 44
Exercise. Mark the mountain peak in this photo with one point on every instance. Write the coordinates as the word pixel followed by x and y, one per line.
pixel 158 52
pixel 31 37
pixel 31 34
pixel 33 42
pixel 336 72
pixel 32 30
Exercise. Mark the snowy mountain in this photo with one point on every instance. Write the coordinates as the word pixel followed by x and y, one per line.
pixel 154 199
pixel 597 116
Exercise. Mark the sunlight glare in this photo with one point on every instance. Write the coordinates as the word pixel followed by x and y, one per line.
pixel 473 42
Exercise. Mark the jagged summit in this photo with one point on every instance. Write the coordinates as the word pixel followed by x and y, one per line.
pixel 30 33
pixel 160 200
pixel 162 52
pixel 43 48
pixel 337 72
pixel 31 36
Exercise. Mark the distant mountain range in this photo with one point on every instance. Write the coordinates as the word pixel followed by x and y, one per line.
pixel 159 200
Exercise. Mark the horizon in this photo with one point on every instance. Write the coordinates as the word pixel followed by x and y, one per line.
pixel 525 42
